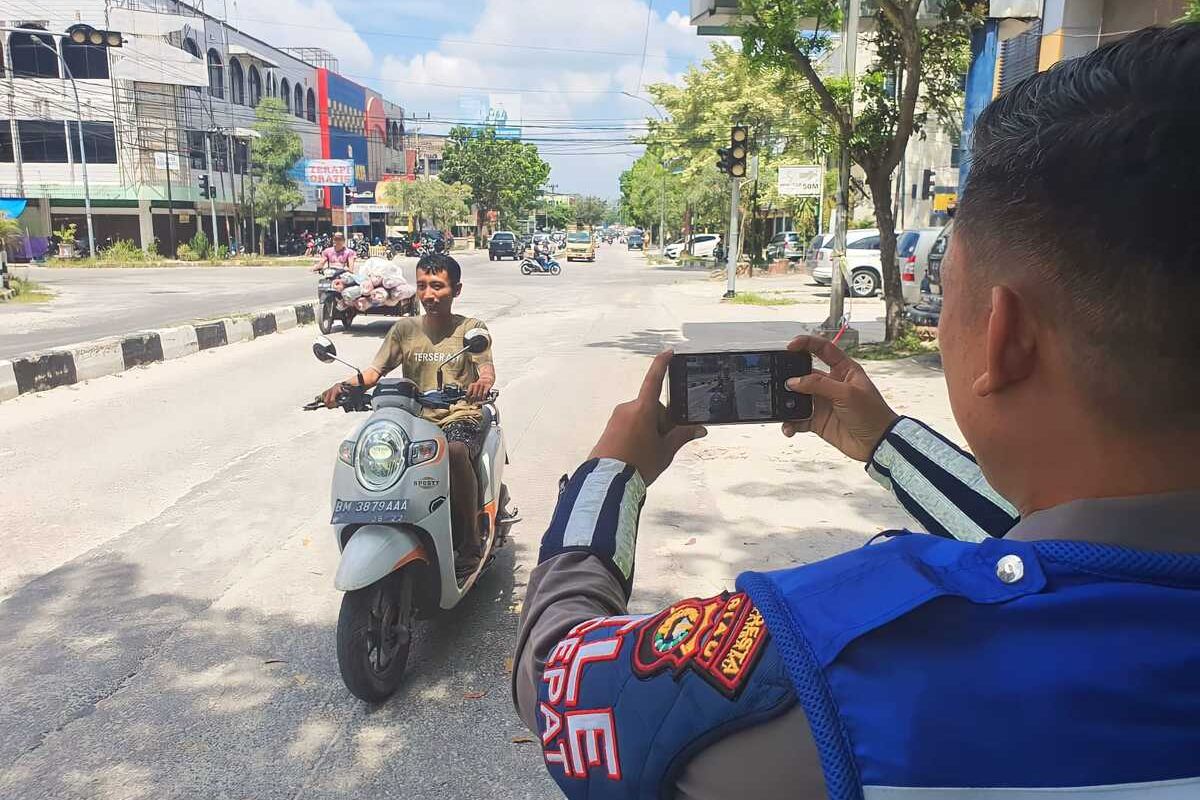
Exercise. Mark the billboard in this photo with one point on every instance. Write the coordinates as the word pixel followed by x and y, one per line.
pixel 329 172
pixel 800 181
pixel 501 112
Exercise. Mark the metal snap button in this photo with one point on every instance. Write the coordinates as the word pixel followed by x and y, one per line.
pixel 1010 569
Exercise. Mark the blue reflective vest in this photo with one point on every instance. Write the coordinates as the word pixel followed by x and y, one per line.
pixel 1002 670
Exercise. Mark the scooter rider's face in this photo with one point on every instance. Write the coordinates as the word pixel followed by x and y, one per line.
pixel 436 293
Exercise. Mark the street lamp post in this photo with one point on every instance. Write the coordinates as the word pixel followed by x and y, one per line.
pixel 87 193
pixel 662 208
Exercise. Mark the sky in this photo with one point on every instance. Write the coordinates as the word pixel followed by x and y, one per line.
pixel 568 60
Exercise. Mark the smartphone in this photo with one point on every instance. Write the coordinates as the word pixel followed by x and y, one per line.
pixel 737 386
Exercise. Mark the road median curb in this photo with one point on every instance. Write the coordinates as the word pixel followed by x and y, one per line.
pixel 64 366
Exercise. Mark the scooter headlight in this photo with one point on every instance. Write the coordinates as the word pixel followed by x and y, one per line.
pixel 379 458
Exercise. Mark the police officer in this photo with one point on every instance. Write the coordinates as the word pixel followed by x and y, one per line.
pixel 1047 648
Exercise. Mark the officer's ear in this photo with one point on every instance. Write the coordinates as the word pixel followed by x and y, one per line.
pixel 457 289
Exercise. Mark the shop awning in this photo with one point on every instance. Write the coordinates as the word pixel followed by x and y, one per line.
pixel 13 207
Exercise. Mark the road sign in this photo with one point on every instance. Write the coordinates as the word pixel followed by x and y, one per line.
pixel 800 181
pixel 942 201
pixel 329 172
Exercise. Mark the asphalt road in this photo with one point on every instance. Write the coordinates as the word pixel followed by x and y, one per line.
pixel 95 303
pixel 167 612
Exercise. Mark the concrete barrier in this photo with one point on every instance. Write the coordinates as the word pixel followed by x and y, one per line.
pixel 80 362
pixel 178 342
pixel 95 359
pixel 8 381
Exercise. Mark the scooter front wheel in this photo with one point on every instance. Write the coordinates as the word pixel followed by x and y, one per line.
pixel 374 634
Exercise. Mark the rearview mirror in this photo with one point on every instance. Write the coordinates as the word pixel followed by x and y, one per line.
pixel 324 350
pixel 477 340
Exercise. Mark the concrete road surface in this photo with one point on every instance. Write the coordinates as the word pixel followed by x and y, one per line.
pixel 167 613
pixel 94 303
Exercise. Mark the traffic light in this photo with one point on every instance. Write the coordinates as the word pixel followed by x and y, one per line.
pixel 86 34
pixel 726 159
pixel 207 190
pixel 927 184
pixel 739 150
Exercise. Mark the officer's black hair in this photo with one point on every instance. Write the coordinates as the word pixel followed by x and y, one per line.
pixel 440 262
pixel 1087 176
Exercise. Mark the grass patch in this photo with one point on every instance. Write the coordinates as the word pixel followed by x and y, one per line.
pixel 756 299
pixel 29 292
pixel 658 260
pixel 912 341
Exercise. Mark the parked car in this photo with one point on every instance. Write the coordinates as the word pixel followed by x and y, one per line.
pixel 581 246
pixel 912 259
pixel 928 310
pixel 703 246
pixel 634 241
pixel 820 241
pixel 503 244
pixel 862 263
pixel 786 244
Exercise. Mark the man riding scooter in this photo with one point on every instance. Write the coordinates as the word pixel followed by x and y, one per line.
pixel 422 346
pixel 337 256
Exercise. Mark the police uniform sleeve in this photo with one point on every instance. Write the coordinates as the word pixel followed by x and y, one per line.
pixel 663 705
pixel 939 484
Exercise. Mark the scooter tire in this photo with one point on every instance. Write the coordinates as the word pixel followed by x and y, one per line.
pixel 526 269
pixel 555 269
pixel 374 636
pixel 328 314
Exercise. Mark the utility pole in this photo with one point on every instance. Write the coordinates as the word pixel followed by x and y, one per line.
pixel 731 250
pixel 212 187
pixel 836 295
pixel 662 214
pixel 170 199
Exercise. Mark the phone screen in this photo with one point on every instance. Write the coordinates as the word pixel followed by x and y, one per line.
pixel 733 387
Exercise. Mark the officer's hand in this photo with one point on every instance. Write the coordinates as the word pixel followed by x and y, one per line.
pixel 848 411
pixel 640 432
pixel 331 395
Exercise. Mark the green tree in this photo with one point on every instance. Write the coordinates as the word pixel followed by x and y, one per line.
pixel 1192 12
pixel 650 191
pixel 504 174
pixel 274 153
pixel 434 201
pixel 590 211
pixel 913 76
pixel 558 215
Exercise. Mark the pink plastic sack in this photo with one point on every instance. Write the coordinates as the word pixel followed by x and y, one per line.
pixel 379 296
pixel 362 304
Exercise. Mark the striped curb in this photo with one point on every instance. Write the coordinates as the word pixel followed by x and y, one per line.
pixel 37 372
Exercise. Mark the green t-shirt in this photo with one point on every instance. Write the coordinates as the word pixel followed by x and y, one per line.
pixel 409 346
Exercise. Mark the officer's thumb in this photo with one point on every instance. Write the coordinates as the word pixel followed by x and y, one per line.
pixel 680 436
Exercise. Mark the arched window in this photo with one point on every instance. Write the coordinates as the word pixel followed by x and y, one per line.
pixel 255 86
pixel 30 59
pixel 285 93
pixel 216 74
pixel 298 108
pixel 85 60
pixel 312 106
pixel 237 82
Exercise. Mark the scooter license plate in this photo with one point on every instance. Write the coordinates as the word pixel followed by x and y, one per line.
pixel 360 512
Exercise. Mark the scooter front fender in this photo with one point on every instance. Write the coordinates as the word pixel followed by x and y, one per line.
pixel 373 552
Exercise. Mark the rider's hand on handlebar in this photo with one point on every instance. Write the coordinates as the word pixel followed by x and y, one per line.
pixel 640 432
pixel 477 392
pixel 848 411
pixel 331 395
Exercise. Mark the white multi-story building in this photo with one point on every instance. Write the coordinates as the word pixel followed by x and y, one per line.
pixel 173 103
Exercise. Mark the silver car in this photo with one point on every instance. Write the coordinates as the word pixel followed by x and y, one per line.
pixel 912 260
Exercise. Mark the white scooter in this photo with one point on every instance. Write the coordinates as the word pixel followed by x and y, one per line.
pixel 391 516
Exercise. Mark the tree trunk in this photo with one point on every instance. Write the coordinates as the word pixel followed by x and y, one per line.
pixel 881 195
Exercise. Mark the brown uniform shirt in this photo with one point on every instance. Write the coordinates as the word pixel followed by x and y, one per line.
pixel 408 345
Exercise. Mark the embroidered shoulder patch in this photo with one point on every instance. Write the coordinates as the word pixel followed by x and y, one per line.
pixel 719 638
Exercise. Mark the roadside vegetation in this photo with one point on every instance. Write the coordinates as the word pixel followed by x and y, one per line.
pixel 764 299
pixel 912 341
pixel 29 292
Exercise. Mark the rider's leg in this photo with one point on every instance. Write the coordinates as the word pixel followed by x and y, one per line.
pixel 464 502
